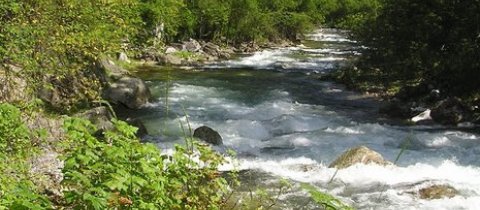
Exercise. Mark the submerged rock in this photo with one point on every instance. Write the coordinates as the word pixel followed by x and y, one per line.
pixel 437 192
pixel 208 135
pixel 356 155
pixel 131 92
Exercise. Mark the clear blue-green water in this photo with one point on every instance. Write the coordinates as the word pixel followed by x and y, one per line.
pixel 284 122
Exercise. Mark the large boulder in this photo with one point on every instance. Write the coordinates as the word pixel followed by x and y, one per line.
pixel 356 155
pixel 170 59
pixel 450 111
pixel 437 192
pixel 208 135
pixel 131 92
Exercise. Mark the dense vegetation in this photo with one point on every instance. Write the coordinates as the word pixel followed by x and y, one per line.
pixel 428 43
pixel 409 43
pixel 116 171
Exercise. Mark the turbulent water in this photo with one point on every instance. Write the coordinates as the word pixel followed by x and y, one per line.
pixel 284 122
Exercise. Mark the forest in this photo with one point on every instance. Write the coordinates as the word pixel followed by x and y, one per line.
pixel 408 44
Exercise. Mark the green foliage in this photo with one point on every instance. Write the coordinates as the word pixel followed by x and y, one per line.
pixel 121 172
pixel 327 201
pixel 17 191
pixel 432 42
pixel 63 38
pixel 349 14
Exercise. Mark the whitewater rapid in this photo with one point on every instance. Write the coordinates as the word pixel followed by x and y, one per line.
pixel 291 126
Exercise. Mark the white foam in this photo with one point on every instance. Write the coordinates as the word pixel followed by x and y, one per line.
pixel 369 182
pixel 344 130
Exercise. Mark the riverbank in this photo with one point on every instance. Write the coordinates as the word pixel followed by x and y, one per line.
pixel 419 104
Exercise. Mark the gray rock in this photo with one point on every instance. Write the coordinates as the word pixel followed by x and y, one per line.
pixel 131 92
pixel 47 173
pixel 356 155
pixel 52 126
pixel 123 57
pixel 192 46
pixel 100 117
pixel 437 192
pixel 208 135
pixel 170 50
pixel 450 111
pixel 110 69
pixel 211 49
pixel 13 88
pixel 170 59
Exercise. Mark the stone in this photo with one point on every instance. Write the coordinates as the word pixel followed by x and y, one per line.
pixel 47 173
pixel 424 116
pixel 52 126
pixel 356 155
pixel 450 111
pixel 211 49
pixel 110 70
pixel 192 46
pixel 100 116
pixel 170 50
pixel 208 135
pixel 129 91
pixel 69 92
pixel 142 130
pixel 13 88
pixel 437 192
pixel 123 57
pixel 396 109
pixel 170 59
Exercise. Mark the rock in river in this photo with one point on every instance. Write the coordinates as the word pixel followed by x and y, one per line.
pixel 208 135
pixel 437 192
pixel 450 111
pixel 131 92
pixel 356 155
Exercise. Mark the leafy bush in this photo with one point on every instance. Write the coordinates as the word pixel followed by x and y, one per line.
pixel 17 191
pixel 431 42
pixel 121 172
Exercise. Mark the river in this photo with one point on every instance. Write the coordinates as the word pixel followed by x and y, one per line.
pixel 283 121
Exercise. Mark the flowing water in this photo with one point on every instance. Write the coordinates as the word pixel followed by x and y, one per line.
pixel 284 122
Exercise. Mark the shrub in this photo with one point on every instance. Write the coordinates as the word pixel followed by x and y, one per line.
pixel 17 191
pixel 119 172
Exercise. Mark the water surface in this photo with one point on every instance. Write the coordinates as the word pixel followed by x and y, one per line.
pixel 284 122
